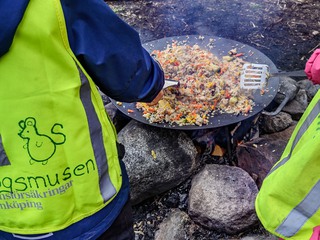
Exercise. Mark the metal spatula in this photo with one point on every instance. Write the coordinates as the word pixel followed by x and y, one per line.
pixel 254 76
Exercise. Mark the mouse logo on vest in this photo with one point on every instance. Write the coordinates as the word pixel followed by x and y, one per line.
pixel 40 147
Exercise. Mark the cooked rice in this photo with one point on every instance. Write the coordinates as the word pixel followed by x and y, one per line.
pixel 207 85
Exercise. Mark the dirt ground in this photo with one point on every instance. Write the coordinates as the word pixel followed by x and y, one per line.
pixel 287 31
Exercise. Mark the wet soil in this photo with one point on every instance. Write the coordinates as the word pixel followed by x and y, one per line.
pixel 287 31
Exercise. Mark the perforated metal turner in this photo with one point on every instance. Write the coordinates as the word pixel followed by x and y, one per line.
pixel 254 76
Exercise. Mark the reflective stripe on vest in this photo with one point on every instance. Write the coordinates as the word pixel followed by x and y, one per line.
pixel 106 188
pixel 301 213
pixel 3 157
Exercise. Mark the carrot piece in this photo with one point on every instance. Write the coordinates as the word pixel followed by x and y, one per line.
pixel 178 116
pixel 247 109
pixel 227 94
pixel 198 106
pixel 150 109
pixel 215 102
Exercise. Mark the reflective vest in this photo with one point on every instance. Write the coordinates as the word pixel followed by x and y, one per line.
pixel 58 154
pixel 289 200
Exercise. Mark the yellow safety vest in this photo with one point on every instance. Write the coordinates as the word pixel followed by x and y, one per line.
pixel 289 200
pixel 58 154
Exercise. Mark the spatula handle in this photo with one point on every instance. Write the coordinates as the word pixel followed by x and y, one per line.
pixel 170 82
pixel 299 73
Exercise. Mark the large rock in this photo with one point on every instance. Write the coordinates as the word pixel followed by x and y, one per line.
pixel 298 105
pixel 222 198
pixel 257 157
pixel 174 226
pixel 277 123
pixel 311 89
pixel 288 87
pixel 157 160
pixel 283 135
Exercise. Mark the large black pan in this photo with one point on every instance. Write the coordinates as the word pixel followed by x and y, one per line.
pixel 220 47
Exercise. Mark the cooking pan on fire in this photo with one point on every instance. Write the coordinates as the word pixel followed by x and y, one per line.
pixel 219 47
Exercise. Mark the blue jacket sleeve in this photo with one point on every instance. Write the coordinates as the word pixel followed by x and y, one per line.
pixel 111 52
pixel 12 12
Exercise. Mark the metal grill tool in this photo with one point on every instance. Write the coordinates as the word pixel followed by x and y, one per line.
pixel 255 76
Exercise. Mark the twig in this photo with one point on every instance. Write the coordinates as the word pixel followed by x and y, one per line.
pixel 259 45
pixel 314 48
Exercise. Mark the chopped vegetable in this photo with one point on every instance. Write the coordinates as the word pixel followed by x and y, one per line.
pixel 207 85
pixel 153 153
